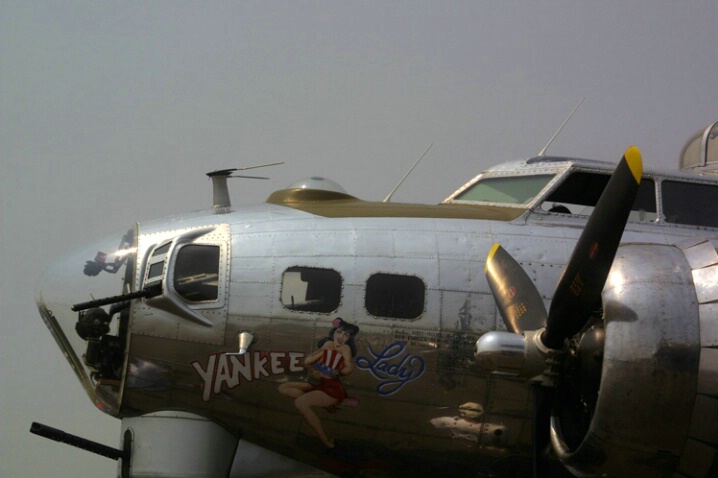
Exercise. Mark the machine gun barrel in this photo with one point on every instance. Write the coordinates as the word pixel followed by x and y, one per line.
pixel 69 439
pixel 140 294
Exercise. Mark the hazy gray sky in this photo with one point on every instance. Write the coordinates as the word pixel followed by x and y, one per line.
pixel 111 113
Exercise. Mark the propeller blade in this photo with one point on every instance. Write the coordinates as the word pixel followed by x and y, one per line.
pixel 517 298
pixel 577 293
pixel 581 284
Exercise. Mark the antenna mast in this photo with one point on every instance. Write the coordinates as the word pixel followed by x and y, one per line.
pixel 388 198
pixel 543 151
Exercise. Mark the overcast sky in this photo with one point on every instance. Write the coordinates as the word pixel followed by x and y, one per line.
pixel 111 113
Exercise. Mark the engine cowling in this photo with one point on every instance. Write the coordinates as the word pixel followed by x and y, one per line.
pixel 659 375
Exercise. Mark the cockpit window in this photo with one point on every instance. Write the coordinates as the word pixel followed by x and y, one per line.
pixel 507 190
pixel 196 273
pixel 690 203
pixel 580 193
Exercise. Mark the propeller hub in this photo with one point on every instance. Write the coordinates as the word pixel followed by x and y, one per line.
pixel 523 355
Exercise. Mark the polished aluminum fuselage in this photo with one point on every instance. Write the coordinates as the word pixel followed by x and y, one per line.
pixel 417 403
pixel 415 378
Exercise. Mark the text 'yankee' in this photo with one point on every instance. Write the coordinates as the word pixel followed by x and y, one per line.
pixel 222 370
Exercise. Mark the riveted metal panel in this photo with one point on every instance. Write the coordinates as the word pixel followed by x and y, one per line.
pixel 296 243
pixel 421 244
pixel 708 314
pixel 339 242
pixel 708 373
pixel 252 244
pixel 377 243
pixel 252 269
pixel 689 242
pixel 432 307
pixel 254 299
pixel 706 281
pixel 462 245
pixel 462 275
pixel 701 255
pixel 469 312
pixel 699 451
pixel 656 280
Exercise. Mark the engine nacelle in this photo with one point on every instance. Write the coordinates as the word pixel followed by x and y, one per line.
pixel 658 370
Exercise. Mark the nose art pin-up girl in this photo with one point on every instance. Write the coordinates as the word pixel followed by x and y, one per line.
pixel 333 359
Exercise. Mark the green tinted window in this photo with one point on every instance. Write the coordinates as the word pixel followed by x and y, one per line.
pixel 510 190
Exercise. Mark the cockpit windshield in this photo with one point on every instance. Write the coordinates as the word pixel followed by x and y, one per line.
pixel 92 332
pixel 505 190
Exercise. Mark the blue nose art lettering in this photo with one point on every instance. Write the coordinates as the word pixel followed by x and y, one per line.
pixel 392 367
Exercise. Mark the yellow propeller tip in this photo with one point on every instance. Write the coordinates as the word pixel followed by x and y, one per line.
pixel 492 251
pixel 635 163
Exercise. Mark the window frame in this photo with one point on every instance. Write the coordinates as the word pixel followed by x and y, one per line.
pixel 483 179
pixel 166 252
pixel 686 183
pixel 173 279
pixel 587 209
pixel 368 289
pixel 331 306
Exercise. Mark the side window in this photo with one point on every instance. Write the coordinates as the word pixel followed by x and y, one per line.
pixel 156 265
pixel 311 289
pixel 580 192
pixel 395 296
pixel 690 203
pixel 196 273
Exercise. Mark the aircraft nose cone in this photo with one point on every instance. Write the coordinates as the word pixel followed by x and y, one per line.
pixel 91 272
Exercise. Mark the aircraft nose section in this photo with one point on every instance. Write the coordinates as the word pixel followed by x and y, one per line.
pixel 93 340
